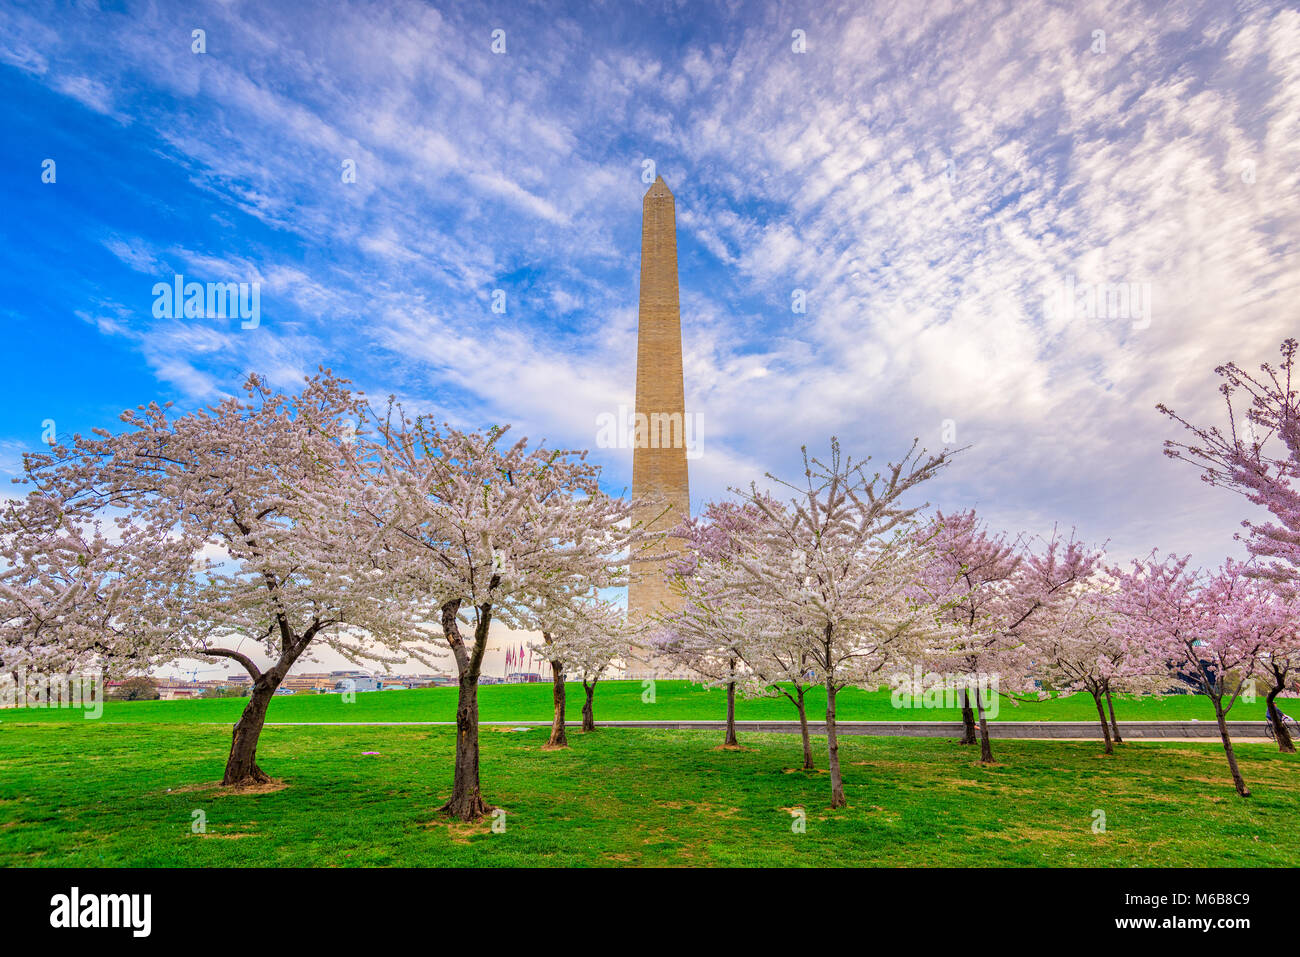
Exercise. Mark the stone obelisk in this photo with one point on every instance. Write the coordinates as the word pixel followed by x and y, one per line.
pixel 659 444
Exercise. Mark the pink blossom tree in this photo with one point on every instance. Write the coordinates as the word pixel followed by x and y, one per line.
pixel 231 537
pixel 1210 630
pixel 1077 648
pixel 1280 666
pixel 989 588
pixel 1257 455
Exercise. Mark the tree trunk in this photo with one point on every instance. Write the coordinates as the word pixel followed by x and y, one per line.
pixel 588 711
pixel 967 719
pixel 1280 731
pixel 803 729
pixel 833 748
pixel 466 802
pixel 558 740
pixel 1105 726
pixel 986 746
pixel 731 741
pixel 1237 781
pixel 1114 725
pixel 241 765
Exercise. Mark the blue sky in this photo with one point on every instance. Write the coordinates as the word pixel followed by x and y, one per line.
pixel 924 171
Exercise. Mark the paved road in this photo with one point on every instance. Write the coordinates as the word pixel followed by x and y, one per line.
pixel 912 729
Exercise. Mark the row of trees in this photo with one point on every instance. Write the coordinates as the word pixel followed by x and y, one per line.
pixel 844 585
pixel 955 607
pixel 290 522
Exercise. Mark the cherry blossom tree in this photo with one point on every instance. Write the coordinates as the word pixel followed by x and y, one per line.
pixel 582 640
pixel 222 533
pixel 1210 630
pixel 1281 668
pixel 701 636
pixel 1258 456
pixel 1077 647
pixel 713 633
pixel 591 657
pixel 834 570
pixel 990 588
pixel 73 596
pixel 1263 412
pixel 707 631
pixel 481 529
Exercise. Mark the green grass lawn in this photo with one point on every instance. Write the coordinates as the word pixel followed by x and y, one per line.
pixel 622 700
pixel 101 794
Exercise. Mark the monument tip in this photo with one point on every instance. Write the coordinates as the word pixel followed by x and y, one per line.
pixel 658 188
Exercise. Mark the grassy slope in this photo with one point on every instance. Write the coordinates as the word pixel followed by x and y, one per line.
pixel 621 700
pixel 99 794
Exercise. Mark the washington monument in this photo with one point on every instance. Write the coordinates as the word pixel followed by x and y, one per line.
pixel 659 449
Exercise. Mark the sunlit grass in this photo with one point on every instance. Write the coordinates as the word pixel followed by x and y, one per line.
pixel 628 701
pixel 94 794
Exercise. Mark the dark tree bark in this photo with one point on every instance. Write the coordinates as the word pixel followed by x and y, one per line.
pixel 588 711
pixel 466 802
pixel 1237 781
pixel 558 739
pixel 797 699
pixel 1114 725
pixel 833 748
pixel 1105 726
pixel 967 719
pixel 731 741
pixel 1275 718
pixel 803 729
pixel 986 746
pixel 241 765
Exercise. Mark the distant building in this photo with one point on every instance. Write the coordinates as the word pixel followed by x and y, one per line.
pixel 355 681
pixel 309 682
pixel 169 690
pixel 522 678
pixel 427 681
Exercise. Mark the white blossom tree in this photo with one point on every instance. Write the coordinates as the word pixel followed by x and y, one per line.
pixel 714 633
pixel 481 529
pixel 74 594
pixel 704 632
pixel 582 639
pixel 834 570
pixel 232 539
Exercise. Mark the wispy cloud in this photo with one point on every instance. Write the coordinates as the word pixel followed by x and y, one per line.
pixel 925 174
